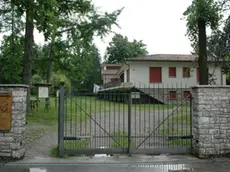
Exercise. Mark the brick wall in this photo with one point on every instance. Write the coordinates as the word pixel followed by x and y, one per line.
pixel 211 120
pixel 12 144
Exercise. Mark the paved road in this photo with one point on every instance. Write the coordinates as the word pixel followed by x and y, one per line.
pixel 194 168
pixel 123 164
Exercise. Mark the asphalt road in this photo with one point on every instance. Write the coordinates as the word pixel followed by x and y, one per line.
pixel 204 167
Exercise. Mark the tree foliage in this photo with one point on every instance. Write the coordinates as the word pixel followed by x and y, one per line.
pixel 120 49
pixel 65 25
pixel 219 47
pixel 10 59
pixel 206 10
pixel 200 15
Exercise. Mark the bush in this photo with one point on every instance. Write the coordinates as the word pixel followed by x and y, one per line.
pixel 56 77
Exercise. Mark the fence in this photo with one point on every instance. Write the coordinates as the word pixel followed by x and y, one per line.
pixel 124 122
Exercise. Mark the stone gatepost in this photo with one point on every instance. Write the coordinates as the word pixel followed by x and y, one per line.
pixel 12 121
pixel 211 120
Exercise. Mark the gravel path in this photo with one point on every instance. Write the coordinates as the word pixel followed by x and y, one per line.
pixel 39 140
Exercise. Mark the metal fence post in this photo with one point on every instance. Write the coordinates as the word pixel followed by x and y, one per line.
pixel 191 118
pixel 61 120
pixel 129 120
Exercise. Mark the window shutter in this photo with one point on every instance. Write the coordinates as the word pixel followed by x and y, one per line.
pixel 155 75
pixel 172 72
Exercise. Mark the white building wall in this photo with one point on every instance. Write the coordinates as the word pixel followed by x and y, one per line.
pixel 139 74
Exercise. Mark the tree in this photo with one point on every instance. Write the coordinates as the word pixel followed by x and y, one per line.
pixel 120 49
pixel 92 73
pixel 10 59
pixel 11 49
pixel 199 15
pixel 78 19
pixel 218 47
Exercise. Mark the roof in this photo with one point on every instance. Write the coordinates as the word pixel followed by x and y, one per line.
pixel 166 57
pixel 104 64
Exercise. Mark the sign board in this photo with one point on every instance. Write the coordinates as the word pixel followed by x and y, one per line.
pixel 5 111
pixel 135 95
pixel 43 92
pixel 57 93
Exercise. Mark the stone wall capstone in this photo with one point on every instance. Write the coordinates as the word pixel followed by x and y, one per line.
pixel 211 120
pixel 12 143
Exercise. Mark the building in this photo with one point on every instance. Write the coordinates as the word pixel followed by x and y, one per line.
pixel 163 76
pixel 109 73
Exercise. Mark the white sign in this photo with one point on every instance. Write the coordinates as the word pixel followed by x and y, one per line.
pixel 57 93
pixel 43 92
pixel 95 88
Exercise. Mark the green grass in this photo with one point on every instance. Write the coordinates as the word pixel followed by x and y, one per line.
pixel 77 144
pixel 42 116
pixel 96 105
pixel 79 109
pixel 121 138
pixel 177 125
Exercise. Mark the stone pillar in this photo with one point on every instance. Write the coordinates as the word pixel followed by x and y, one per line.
pixel 12 143
pixel 211 120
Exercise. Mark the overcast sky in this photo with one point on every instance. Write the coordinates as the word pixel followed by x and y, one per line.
pixel 157 22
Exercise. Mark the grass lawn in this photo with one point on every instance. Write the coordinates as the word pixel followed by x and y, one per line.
pixel 79 107
pixel 121 138
pixel 177 125
pixel 42 116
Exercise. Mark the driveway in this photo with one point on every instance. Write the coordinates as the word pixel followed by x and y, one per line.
pixel 144 123
pixel 40 139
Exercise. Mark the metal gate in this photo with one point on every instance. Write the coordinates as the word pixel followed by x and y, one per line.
pixel 124 122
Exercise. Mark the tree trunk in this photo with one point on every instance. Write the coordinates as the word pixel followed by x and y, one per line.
pixel 50 64
pixel 49 72
pixel 202 52
pixel 27 60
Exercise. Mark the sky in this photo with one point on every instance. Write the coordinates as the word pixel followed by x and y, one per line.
pixel 157 23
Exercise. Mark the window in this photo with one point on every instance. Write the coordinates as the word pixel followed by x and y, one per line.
pixel 172 72
pixel 186 72
pixel 186 94
pixel 172 94
pixel 155 75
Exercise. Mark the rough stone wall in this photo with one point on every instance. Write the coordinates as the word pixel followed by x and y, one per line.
pixel 12 143
pixel 211 120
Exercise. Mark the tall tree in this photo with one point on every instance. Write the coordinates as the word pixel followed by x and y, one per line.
pixel 199 15
pixel 11 54
pixel 120 49
pixel 78 19
pixel 219 47
pixel 11 50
